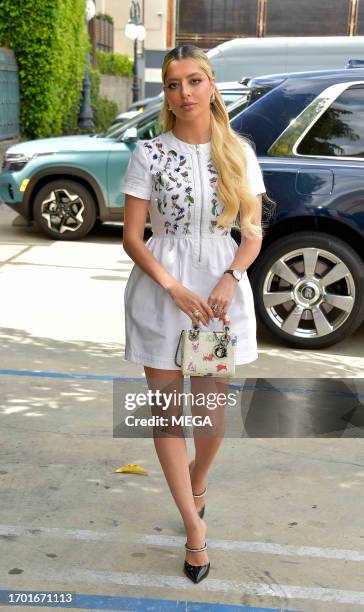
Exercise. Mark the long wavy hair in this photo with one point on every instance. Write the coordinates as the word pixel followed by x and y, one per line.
pixel 228 149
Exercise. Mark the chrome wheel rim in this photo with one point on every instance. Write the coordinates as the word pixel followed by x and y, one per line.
pixel 63 211
pixel 309 293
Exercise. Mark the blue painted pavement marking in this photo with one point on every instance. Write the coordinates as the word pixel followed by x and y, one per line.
pixel 245 387
pixel 133 604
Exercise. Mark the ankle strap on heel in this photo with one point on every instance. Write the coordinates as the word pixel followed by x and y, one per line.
pixel 195 549
pixel 199 494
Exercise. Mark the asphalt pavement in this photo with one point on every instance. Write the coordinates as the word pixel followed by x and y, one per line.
pixel 284 505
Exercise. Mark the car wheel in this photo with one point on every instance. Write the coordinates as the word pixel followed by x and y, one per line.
pixel 309 289
pixel 64 210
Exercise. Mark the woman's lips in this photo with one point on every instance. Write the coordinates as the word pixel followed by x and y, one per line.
pixel 189 105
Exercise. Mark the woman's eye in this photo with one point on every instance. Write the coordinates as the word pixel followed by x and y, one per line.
pixel 172 85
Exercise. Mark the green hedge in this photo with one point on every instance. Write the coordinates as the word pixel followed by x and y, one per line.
pixel 114 63
pixel 50 41
pixel 104 111
pixel 105 17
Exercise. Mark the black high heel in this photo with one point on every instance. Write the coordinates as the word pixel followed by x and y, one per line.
pixel 196 573
pixel 202 511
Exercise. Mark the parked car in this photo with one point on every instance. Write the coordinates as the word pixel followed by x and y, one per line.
pixel 230 92
pixel 64 184
pixel 308 129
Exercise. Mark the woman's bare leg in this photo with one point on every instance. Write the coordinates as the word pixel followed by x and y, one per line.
pixel 207 442
pixel 171 449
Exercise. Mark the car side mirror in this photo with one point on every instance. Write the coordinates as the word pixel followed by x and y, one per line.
pixel 130 135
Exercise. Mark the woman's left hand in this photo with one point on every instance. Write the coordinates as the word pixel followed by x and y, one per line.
pixel 222 295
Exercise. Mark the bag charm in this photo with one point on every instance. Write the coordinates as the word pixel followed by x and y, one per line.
pixel 207 353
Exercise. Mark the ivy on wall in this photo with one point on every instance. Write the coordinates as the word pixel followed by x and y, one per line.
pixel 50 41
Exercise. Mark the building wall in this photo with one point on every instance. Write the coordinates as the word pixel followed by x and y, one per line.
pixel 158 17
pixel 117 88
pixel 209 24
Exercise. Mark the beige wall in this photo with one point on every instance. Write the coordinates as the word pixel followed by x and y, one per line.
pixel 155 22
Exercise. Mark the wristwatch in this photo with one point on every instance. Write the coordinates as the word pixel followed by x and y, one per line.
pixel 235 273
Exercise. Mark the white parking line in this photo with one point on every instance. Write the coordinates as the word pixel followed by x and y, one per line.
pixel 178 541
pixel 211 585
pixel 289 592
pixel 264 548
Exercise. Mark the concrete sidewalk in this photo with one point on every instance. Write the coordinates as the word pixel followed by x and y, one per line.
pixel 284 515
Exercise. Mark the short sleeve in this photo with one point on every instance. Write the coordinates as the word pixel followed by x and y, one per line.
pixel 253 172
pixel 137 180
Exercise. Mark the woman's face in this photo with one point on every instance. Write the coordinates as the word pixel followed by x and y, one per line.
pixel 187 89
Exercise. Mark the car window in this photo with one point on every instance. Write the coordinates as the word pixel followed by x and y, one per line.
pixel 149 129
pixel 236 107
pixel 259 90
pixel 231 96
pixel 339 132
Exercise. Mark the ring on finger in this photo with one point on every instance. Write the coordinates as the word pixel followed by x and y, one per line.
pixel 216 308
pixel 196 313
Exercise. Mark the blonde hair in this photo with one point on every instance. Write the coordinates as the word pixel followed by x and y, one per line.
pixel 228 152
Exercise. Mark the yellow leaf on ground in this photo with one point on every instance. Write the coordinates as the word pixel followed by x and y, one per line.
pixel 131 468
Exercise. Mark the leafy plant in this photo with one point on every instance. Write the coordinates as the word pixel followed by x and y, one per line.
pixel 114 63
pixel 49 39
pixel 105 17
pixel 104 111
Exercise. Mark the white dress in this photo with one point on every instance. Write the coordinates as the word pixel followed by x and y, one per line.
pixel 179 179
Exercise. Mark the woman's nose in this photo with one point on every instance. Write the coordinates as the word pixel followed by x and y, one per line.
pixel 185 91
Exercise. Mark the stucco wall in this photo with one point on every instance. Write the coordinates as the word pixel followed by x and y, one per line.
pixel 118 89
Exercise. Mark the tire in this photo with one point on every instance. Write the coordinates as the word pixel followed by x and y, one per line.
pixel 294 301
pixel 70 199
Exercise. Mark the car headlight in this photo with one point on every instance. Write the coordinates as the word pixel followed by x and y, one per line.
pixel 13 162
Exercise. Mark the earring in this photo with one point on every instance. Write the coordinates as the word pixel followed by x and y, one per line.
pixel 169 108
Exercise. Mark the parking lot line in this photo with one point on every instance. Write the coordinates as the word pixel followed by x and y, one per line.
pixel 265 548
pixel 245 387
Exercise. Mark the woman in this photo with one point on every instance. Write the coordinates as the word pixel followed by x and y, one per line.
pixel 194 179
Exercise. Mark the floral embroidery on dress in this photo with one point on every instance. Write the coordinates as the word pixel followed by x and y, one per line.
pixel 174 174
pixel 216 207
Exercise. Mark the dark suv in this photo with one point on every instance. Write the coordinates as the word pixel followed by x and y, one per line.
pixel 308 129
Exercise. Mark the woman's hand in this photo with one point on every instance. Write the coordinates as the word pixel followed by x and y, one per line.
pixel 189 302
pixel 222 295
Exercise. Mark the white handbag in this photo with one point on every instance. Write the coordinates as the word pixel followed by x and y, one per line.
pixel 206 353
